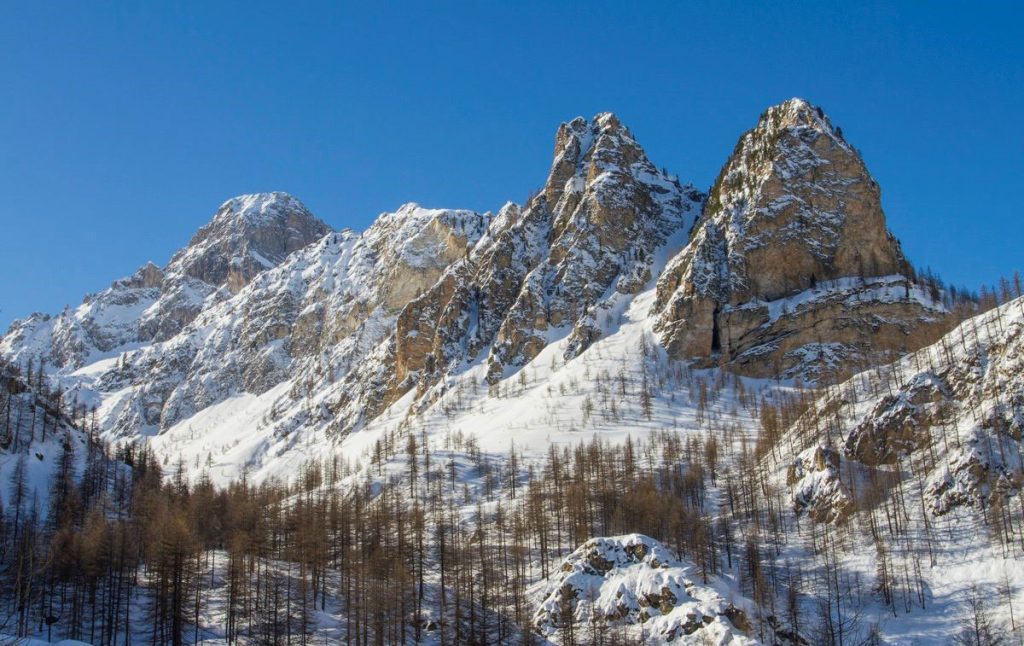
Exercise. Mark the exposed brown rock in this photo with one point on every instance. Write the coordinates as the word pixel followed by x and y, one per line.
pixel 795 220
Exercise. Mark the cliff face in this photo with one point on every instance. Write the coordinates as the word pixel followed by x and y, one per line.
pixel 792 268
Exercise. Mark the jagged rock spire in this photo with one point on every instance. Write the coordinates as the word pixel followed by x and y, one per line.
pixel 793 208
pixel 544 270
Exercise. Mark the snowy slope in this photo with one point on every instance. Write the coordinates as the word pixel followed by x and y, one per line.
pixel 928 451
pixel 34 435
pixel 954 411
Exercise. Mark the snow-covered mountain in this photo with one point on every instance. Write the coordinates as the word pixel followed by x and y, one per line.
pixel 302 323
pixel 616 304
pixel 332 329
pixel 247 235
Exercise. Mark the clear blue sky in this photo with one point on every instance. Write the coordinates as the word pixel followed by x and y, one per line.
pixel 123 125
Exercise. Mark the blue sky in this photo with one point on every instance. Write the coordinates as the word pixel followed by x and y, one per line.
pixel 124 125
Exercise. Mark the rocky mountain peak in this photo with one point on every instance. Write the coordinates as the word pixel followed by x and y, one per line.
pixel 248 235
pixel 584 149
pixel 793 210
pixel 796 113
pixel 584 131
pixel 796 190
pixel 257 209
pixel 553 268
pixel 604 210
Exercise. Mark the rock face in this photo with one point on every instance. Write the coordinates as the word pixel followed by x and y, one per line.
pixel 543 271
pixel 792 266
pixel 635 581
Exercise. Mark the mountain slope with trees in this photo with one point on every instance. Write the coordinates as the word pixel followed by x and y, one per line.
pixel 450 427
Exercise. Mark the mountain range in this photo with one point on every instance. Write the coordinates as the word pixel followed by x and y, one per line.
pixel 785 268
pixel 775 311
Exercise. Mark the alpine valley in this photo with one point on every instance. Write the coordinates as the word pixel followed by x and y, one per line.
pixel 625 411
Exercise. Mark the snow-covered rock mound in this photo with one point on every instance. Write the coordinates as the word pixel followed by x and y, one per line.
pixel 637 582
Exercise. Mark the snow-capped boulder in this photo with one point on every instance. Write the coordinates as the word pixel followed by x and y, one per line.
pixel 634 581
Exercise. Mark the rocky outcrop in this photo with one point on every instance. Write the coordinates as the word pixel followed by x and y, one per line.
pixel 901 423
pixel 792 267
pixel 634 581
pixel 545 271
pixel 817 487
